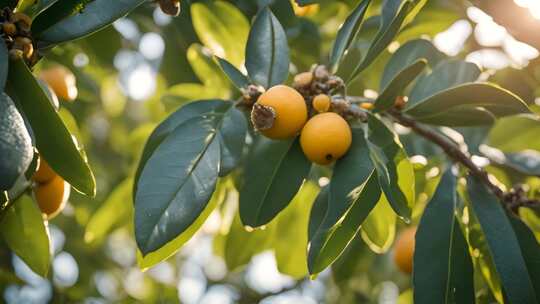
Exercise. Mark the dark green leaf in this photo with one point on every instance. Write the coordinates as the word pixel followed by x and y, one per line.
pixel 53 139
pixel 443 270
pixel 25 233
pixel 530 249
pixel 87 19
pixel 445 75
pixel 329 244
pixel 267 52
pixel 503 243
pixel 274 172
pixel 466 98
pixel 408 54
pixel 388 94
pixel 318 211
pixel 236 77
pixel 396 175
pixel 15 144
pixel 232 136
pixel 346 34
pixel 168 204
pixel 4 63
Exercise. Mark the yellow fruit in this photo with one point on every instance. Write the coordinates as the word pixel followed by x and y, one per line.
pixel 62 81
pixel 288 110
pixel 404 250
pixel 44 173
pixel 325 138
pixel 52 196
pixel 303 79
pixel 306 10
pixel 321 103
pixel 367 106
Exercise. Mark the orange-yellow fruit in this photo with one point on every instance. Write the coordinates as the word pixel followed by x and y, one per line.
pixel 325 138
pixel 289 110
pixel 52 196
pixel 367 106
pixel 306 10
pixel 44 173
pixel 321 103
pixel 303 79
pixel 404 250
pixel 62 81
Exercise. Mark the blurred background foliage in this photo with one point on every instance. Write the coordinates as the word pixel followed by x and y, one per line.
pixel 132 74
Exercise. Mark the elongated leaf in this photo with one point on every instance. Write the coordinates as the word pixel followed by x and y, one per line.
pixel 267 52
pixel 15 144
pixel 503 244
pixel 530 249
pixel 516 133
pixel 275 170
pixel 116 209
pixel 443 270
pixel 291 248
pixel 346 34
pixel 168 204
pixel 408 54
pixel 526 162
pixel 222 28
pixel 461 117
pixel 183 93
pixel 234 126
pixel 53 139
pixel 235 76
pixel 445 75
pixel 94 16
pixel 241 244
pixel 396 175
pixel 4 64
pixel 379 228
pixel 207 70
pixel 389 93
pixel 329 244
pixel 318 212
pixel 25 233
pixel 393 16
pixel 174 245
pixel 494 99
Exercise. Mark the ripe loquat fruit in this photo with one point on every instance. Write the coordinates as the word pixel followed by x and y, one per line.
pixel 303 79
pixel 306 10
pixel 44 173
pixel 52 196
pixel 367 106
pixel 404 250
pixel 280 112
pixel 325 138
pixel 321 103
pixel 62 81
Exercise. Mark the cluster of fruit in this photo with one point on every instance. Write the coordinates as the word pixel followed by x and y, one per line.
pixel 51 192
pixel 17 36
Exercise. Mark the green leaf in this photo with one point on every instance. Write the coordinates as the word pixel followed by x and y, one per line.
pixel 329 244
pixel 4 63
pixel 408 54
pixel 530 249
pixel 243 243
pixel 235 76
pixel 440 108
pixel 114 211
pixel 318 212
pixel 174 245
pixel 24 5
pixel 267 52
pixel 393 16
pixel 516 133
pixel 232 139
pixel 168 204
pixel 291 236
pixel 222 28
pixel 15 144
pixel 89 18
pixel 183 93
pixel 379 228
pixel 503 244
pixel 396 175
pixel 274 172
pixel 526 161
pixel 207 70
pixel 445 75
pixel 53 139
pixel 347 33
pixel 25 233
pixel 443 270
pixel 199 109
pixel 388 94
